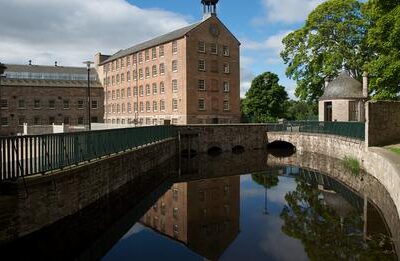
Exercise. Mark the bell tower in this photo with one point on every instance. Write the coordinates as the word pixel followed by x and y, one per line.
pixel 209 8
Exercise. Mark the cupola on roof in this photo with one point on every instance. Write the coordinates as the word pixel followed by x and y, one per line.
pixel 343 87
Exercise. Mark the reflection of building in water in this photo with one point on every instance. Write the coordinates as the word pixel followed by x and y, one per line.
pixel 204 214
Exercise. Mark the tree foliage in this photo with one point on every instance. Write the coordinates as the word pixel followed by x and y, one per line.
pixel 301 110
pixel 265 100
pixel 384 39
pixel 333 37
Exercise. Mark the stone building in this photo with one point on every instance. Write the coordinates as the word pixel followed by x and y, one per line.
pixel 190 75
pixel 344 99
pixel 204 215
pixel 43 95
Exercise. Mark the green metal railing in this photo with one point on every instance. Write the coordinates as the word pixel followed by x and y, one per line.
pixel 29 155
pixel 355 130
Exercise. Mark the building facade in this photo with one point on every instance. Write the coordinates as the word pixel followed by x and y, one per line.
pixel 344 99
pixel 188 76
pixel 43 95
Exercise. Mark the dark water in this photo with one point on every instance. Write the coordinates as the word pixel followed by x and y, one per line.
pixel 229 207
pixel 284 214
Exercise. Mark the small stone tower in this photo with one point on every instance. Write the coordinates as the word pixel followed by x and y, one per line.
pixel 209 7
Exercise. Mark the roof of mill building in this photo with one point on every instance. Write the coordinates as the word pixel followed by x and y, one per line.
pixel 343 87
pixel 48 76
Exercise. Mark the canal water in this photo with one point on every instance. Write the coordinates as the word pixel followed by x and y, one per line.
pixel 229 207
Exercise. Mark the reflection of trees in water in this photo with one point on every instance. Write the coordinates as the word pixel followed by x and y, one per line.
pixel 324 234
pixel 268 179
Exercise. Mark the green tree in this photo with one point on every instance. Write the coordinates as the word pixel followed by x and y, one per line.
pixel 301 110
pixel 265 100
pixel 333 37
pixel 384 39
pixel 267 179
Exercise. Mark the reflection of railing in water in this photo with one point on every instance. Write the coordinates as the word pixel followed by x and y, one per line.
pixel 27 155
pixel 316 178
pixel 354 130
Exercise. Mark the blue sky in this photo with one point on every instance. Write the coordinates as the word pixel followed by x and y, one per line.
pixel 72 31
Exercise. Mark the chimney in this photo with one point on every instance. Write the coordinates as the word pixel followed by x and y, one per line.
pixel 55 63
pixel 30 62
pixel 365 85
pixel 327 81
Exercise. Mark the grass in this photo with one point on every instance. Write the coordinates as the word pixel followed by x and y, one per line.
pixel 352 165
pixel 395 150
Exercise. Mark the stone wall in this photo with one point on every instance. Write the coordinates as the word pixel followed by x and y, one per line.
pixel 383 123
pixel 203 137
pixel 380 163
pixel 46 199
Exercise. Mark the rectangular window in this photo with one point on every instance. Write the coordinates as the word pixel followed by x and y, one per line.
pixel 66 104
pixel 113 80
pixel 155 107
pixel 225 50
pixel 201 47
pixel 141 91
pixel 135 91
pixel 202 65
pixel 122 93
pixel 140 57
pixel 147 55
pixel 155 89
pixel 226 68
pixel 162 68
pixel 162 105
pixel 201 85
pixel 140 73
pixel 154 53
pixel 36 104
pixel 118 94
pixel 162 87
pixel 214 48
pixel 129 107
pixel 201 104
pixel 226 86
pixel 226 105
pixel 122 63
pixel 174 104
pixel 154 71
pixel 161 51
pixel 128 76
pixel 21 104
pixel 128 61
pixel 117 65
pixel 174 47
pixel 174 85
pixel 122 77
pixel 117 78
pixel 4 121
pixel 148 91
pixel 129 92
pixel 134 59
pixel 148 106
pixel 94 105
pixel 80 104
pixel 147 72
pixel 52 104
pixel 134 75
pixel 135 106
pixel 174 65
pixel 123 108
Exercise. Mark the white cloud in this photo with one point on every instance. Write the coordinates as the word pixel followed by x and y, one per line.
pixel 286 11
pixel 272 43
pixel 246 76
pixel 71 31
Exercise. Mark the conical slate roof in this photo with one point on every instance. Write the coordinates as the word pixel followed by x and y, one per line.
pixel 343 87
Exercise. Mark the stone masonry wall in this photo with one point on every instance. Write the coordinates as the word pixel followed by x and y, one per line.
pixel 383 123
pixel 49 198
pixel 378 162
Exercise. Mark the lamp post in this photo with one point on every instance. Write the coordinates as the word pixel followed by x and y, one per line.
pixel 2 69
pixel 88 63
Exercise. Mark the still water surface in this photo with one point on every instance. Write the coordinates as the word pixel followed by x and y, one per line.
pixel 283 214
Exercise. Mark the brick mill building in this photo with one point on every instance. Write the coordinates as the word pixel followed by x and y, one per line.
pixel 43 95
pixel 188 76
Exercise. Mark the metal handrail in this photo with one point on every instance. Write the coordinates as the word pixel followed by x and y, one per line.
pixel 354 130
pixel 37 154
